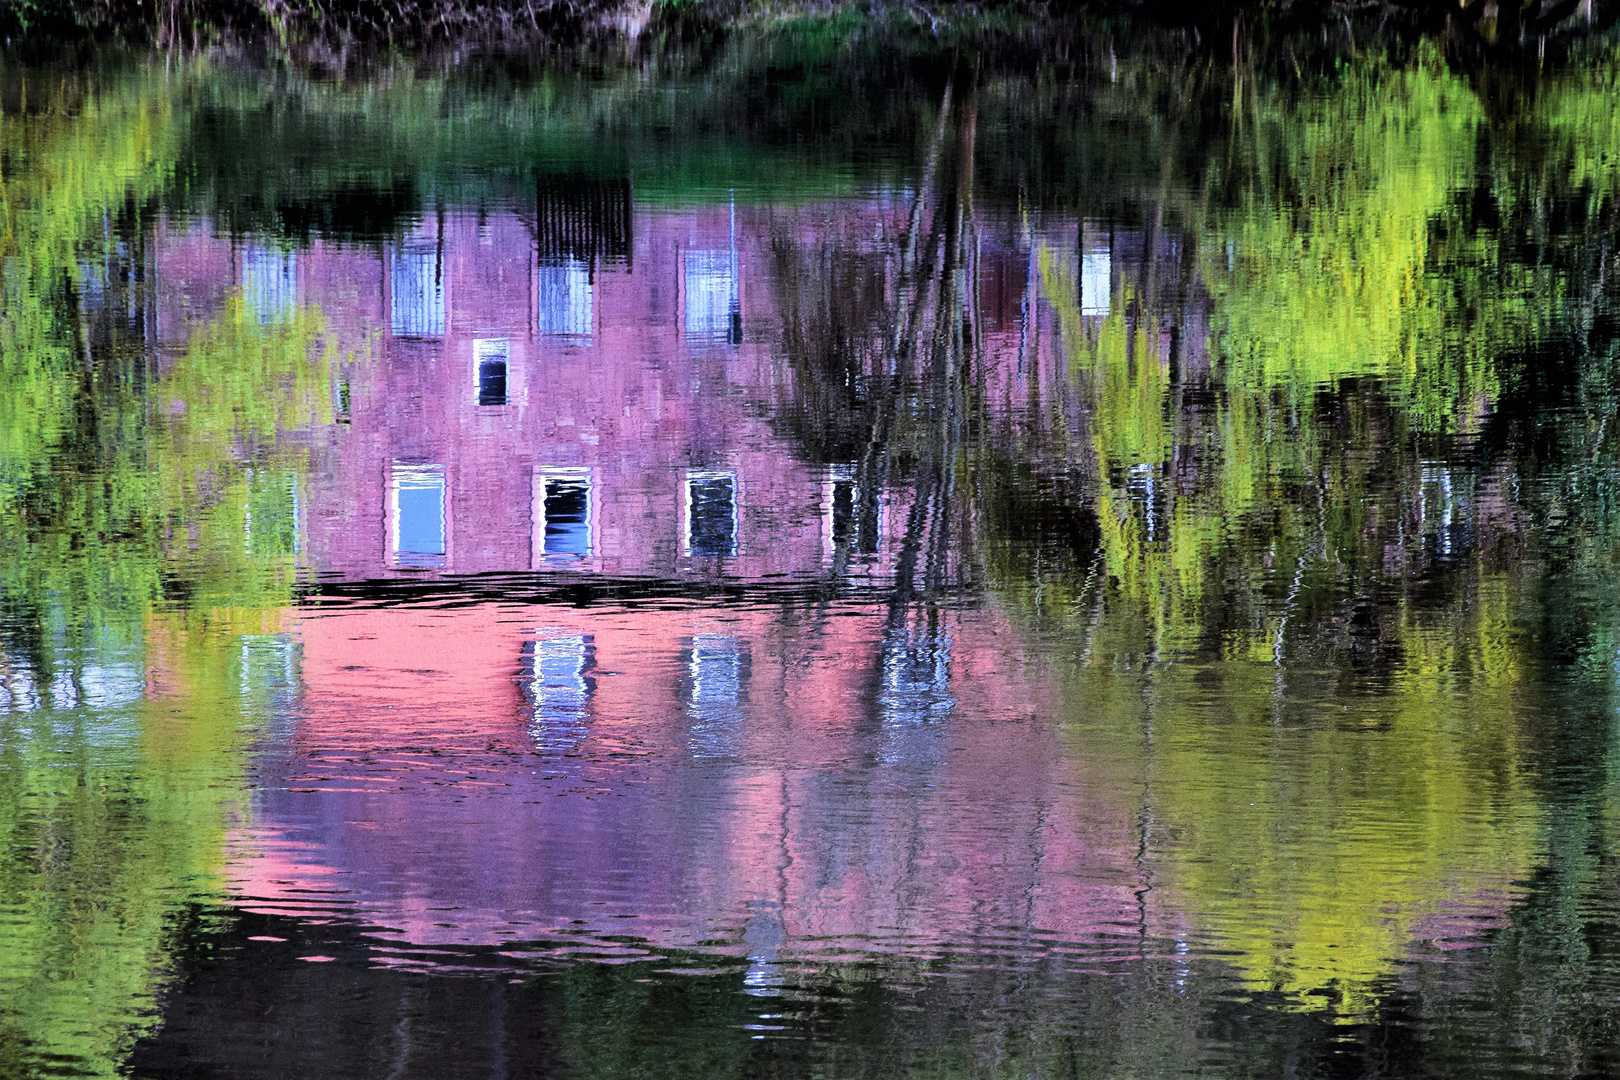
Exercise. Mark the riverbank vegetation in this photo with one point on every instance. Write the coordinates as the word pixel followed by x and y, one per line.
pixel 350 33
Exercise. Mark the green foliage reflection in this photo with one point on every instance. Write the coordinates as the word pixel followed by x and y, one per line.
pixel 1335 765
pixel 130 703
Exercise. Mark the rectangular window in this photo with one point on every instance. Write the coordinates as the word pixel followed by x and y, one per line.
pixel 916 676
pixel 490 356
pixel 269 283
pixel 418 516
pixel 416 293
pixel 492 382
pixel 711 514
pixel 1146 489
pixel 560 688
pixel 716 672
pixel 1446 510
pixel 1096 281
pixel 564 306
pixel 713 302
pixel 565 523
pixel 854 515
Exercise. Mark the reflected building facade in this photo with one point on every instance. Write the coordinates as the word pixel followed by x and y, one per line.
pixel 581 388
pixel 591 391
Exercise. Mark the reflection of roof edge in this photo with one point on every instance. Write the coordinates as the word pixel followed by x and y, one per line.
pixel 580 590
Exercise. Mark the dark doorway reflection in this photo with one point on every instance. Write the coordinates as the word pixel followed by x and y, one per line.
pixel 565 498
pixel 856 516
pixel 492 382
pixel 711 514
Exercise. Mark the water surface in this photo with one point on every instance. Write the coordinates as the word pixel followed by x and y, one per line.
pixel 812 559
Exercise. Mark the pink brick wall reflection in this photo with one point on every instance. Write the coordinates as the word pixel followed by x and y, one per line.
pixel 494 773
pixel 629 381
pixel 821 779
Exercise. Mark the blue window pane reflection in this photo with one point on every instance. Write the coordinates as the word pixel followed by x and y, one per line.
pixel 716 674
pixel 419 517
pixel 559 687
pixel 565 306
pixel 713 300
pixel 417 294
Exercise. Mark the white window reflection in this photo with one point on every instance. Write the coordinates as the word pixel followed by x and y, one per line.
pixel 915 696
pixel 490 357
pixel 565 522
pixel 916 676
pixel 72 682
pixel 713 299
pixel 96 686
pixel 716 672
pixel 417 516
pixel 271 676
pixel 270 283
pixel 564 305
pixel 19 692
pixel 764 934
pixel 416 293
pixel 1445 509
pixel 1147 490
pixel 557 682
pixel 1096 280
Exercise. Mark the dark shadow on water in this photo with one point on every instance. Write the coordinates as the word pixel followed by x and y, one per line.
pixel 269 995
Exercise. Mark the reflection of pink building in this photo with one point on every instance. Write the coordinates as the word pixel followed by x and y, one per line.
pixel 512 406
pixel 523 397
pixel 817 782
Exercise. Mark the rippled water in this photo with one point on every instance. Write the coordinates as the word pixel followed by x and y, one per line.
pixel 811 557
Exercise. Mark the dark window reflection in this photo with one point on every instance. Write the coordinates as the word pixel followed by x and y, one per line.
pixel 492 382
pixel 855 514
pixel 584 218
pixel 711 514
pixel 490 356
pixel 566 514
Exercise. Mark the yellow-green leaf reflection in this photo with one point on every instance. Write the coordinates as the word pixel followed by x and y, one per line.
pixel 130 705
pixel 1314 815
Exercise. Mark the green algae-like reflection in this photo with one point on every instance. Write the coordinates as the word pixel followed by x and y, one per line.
pixel 129 715
pixel 1235 442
